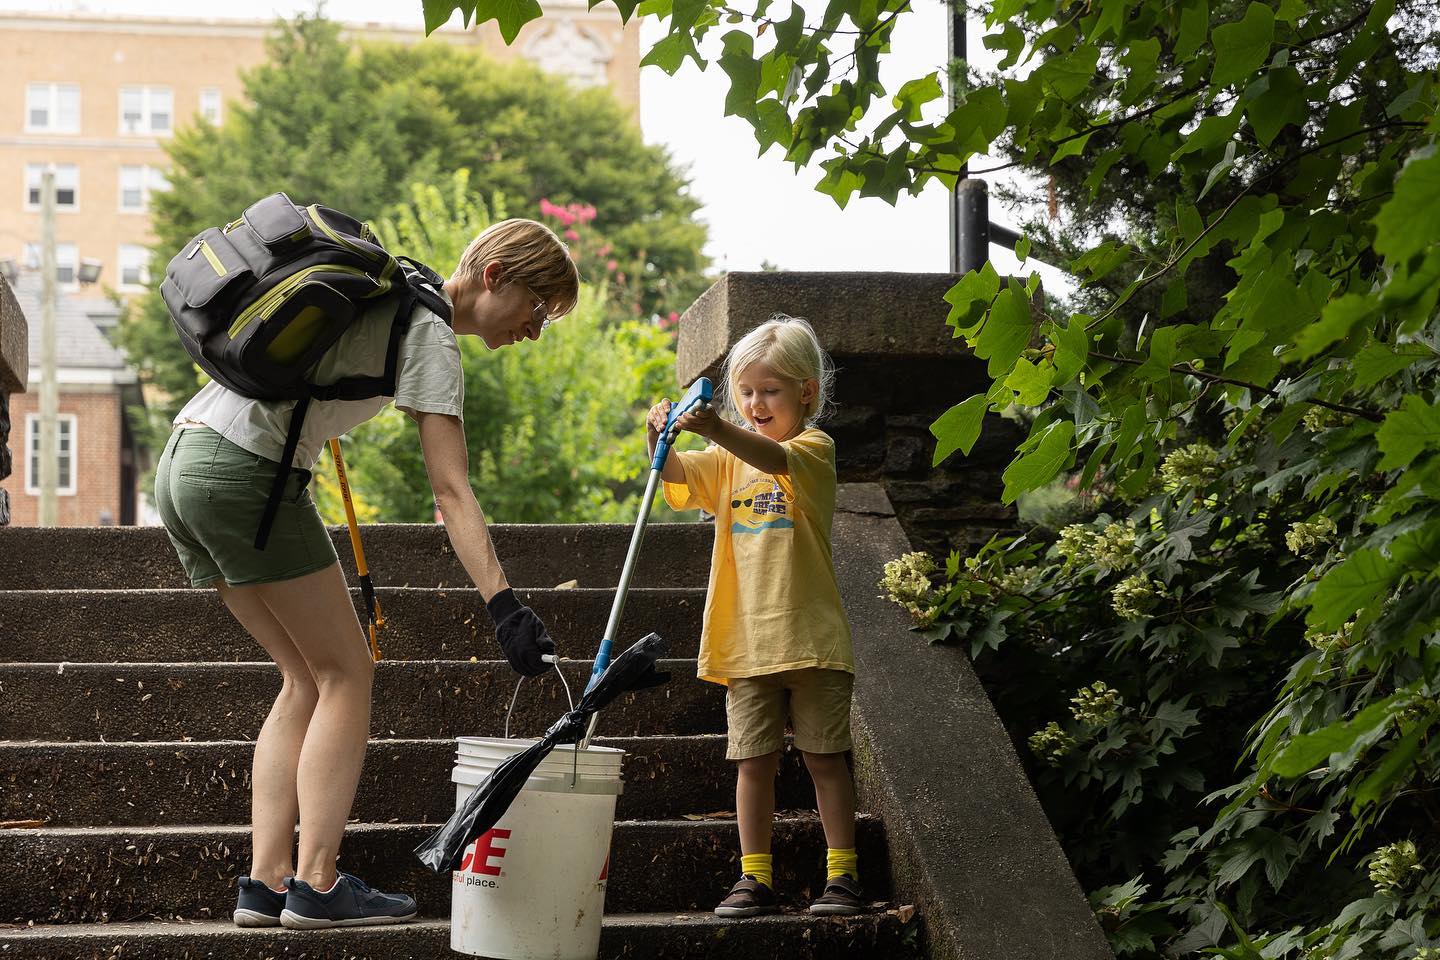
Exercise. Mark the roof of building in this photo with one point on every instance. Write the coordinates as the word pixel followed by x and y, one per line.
pixel 79 342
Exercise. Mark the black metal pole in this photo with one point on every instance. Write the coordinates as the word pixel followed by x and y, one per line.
pixel 956 31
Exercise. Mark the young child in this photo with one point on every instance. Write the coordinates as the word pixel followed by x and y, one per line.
pixel 775 632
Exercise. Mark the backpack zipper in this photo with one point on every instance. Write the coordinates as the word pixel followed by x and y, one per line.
pixel 266 305
pixel 202 247
pixel 336 236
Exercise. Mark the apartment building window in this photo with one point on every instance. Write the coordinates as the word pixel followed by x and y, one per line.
pixel 210 104
pixel 65 450
pixel 146 110
pixel 67 185
pixel 134 267
pixel 137 183
pixel 67 263
pixel 52 108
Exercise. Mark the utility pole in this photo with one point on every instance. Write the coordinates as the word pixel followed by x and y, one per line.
pixel 49 389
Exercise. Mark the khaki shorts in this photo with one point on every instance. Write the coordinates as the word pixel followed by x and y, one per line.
pixel 210 494
pixel 816 701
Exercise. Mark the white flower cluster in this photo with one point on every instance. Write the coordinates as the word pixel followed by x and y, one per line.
pixel 1052 743
pixel 1133 597
pixel 1305 537
pixel 1319 418
pixel 1095 705
pixel 1193 465
pixel 1114 548
pixel 1392 866
pixel 907 582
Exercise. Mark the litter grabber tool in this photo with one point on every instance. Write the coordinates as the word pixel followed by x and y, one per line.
pixel 375 618
pixel 697 398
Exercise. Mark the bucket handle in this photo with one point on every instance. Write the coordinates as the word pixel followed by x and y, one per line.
pixel 575 753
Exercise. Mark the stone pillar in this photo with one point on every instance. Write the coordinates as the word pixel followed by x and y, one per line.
pixel 899 367
pixel 14 369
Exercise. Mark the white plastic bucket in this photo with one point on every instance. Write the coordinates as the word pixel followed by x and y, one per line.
pixel 534 886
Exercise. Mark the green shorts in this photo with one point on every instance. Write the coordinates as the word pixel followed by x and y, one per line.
pixel 210 494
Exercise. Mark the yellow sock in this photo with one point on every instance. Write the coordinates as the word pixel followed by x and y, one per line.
pixel 842 861
pixel 760 866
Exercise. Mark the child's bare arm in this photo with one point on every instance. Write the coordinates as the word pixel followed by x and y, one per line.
pixel 762 453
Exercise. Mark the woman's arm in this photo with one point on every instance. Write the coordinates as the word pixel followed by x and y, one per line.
pixel 442 440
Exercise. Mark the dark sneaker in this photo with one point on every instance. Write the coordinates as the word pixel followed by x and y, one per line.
pixel 258 905
pixel 841 897
pixel 351 903
pixel 748 898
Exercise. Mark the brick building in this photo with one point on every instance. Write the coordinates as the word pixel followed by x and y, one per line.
pixel 97 96
pixel 99 456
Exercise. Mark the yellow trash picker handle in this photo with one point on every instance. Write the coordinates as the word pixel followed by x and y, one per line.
pixel 367 590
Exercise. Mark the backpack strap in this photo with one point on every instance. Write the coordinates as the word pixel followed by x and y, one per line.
pixel 287 458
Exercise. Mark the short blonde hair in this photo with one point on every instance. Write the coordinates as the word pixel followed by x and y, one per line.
pixel 531 254
pixel 790 346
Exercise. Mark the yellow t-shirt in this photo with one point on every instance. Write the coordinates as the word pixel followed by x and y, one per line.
pixel 773 603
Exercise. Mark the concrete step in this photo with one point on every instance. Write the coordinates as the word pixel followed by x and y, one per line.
pixel 421 623
pixel 169 784
pixel 99 874
pixel 658 936
pixel 412 700
pixel 399 554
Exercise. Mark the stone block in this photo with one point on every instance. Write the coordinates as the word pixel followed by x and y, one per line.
pixel 14 343
pixel 855 314
pixel 906 455
pixel 4 508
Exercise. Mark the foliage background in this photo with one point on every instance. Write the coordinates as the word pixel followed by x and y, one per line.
pixel 433 142
pixel 1233 669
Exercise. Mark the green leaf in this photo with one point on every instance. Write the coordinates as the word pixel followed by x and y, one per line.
pixel 1376 361
pixel 1022 249
pixel 1280 104
pixel 739 63
pixel 1072 348
pixel 1309 750
pixel 510 15
pixel 1395 765
pixel 1070 148
pixel 1240 48
pixel 1039 466
pixel 1031 382
pixel 1407 224
pixel 1194 28
pixel 1406 432
pixel 670 52
pixel 1005 333
pixel 438 13
pixel 1339 317
pixel 971 297
pixel 959 427
pixel 1220 170
pixel 916 93
pixel 1347 589
pixel 772 124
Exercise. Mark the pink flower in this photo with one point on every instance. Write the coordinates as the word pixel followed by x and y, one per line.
pixel 548 209
pixel 572 235
pixel 611 265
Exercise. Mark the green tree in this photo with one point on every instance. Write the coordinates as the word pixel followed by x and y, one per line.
pixel 355 126
pixel 1242 654
pixel 554 430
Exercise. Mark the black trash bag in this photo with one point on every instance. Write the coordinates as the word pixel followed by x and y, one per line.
pixel 632 670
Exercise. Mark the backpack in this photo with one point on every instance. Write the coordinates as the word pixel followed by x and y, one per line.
pixel 260 300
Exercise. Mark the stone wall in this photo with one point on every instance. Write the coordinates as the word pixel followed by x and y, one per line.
pixel 899 368
pixel 14 369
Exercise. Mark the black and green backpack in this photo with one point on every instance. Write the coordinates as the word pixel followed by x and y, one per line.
pixel 260 300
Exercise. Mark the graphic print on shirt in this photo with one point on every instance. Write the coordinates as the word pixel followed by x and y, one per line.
pixel 758 506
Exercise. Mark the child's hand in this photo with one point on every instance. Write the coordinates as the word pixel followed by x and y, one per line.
pixel 655 422
pixel 701 421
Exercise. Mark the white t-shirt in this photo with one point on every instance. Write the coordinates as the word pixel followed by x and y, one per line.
pixel 428 379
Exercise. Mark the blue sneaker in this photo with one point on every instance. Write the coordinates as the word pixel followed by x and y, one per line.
pixel 350 903
pixel 258 905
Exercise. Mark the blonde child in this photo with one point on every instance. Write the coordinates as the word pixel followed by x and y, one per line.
pixel 775 632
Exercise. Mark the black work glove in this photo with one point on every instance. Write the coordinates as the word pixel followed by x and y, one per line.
pixel 521 634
